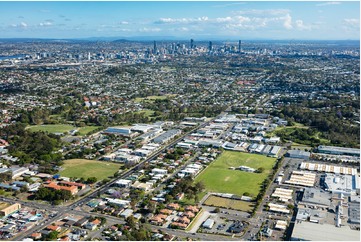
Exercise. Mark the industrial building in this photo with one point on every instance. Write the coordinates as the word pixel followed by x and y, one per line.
pixel 284 195
pixel 346 184
pixel 316 198
pixel 278 208
pixel 354 212
pixel 338 150
pixel 298 154
pixel 302 179
pixel 142 128
pixel 6 208
pixel 275 151
pixel 165 137
pixel 310 214
pixel 118 130
pixel 328 168
pixel 281 225
pixel 323 232
pixel 210 142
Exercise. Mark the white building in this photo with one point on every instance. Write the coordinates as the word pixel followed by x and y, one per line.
pixel 159 171
pixel 123 183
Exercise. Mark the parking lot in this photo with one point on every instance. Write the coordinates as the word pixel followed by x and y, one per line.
pixel 222 225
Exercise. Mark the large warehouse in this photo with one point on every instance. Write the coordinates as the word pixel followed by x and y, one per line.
pixel 6 208
pixel 338 150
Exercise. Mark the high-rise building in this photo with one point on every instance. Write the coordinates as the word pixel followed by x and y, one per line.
pixel 192 44
pixel 239 46
pixel 210 47
pixel 155 47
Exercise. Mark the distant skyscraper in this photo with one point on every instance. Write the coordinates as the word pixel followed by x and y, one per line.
pixel 239 46
pixel 155 47
pixel 210 46
pixel 192 43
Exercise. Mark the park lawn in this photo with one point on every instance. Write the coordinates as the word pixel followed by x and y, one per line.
pixel 61 128
pixel 287 129
pixel 184 201
pixel 300 146
pixel 85 130
pixel 217 177
pixel 51 128
pixel 229 203
pixel 88 168
pixel 146 112
pixel 322 140
pixel 152 98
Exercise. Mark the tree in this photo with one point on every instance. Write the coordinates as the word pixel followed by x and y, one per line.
pixel 290 206
pixel 199 186
pixel 53 235
pixel 23 189
pixel 6 176
pixel 131 221
pixel 260 170
pixel 168 198
pixel 92 180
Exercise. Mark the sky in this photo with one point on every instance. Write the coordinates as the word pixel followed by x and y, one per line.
pixel 200 20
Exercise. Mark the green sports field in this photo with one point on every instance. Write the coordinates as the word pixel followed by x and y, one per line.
pixel 152 98
pixel 52 128
pixel 61 128
pixel 88 168
pixel 217 177
pixel 229 203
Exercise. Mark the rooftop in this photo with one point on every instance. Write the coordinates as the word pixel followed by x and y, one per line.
pixel 316 196
pixel 3 205
pixel 323 232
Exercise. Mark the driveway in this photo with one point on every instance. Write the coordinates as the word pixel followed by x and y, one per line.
pixel 200 220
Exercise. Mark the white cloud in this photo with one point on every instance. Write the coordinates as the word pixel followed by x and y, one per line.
pixel 352 22
pixel 328 3
pixel 224 20
pixel 287 22
pixel 46 23
pixel 123 22
pixel 22 25
pixel 170 20
pixel 149 29
pixel 351 25
pixel 301 26
pixel 264 12
pixel 181 20
pixel 184 29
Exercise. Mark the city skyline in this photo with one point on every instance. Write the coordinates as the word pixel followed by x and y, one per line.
pixel 183 20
